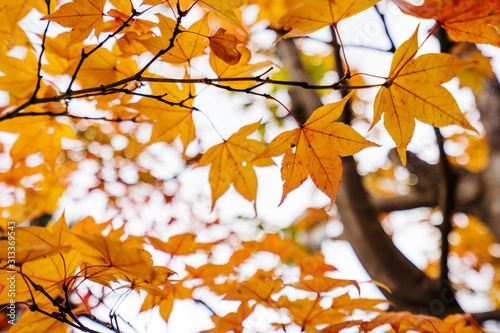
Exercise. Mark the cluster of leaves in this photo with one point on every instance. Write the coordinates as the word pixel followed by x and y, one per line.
pixel 133 65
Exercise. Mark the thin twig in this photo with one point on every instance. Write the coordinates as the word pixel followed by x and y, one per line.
pixel 177 30
pixel 84 55
pixel 382 17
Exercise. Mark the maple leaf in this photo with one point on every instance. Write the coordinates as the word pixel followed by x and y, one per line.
pixel 125 6
pixel 224 46
pixel 307 313
pixel 314 150
pixel 464 20
pixel 20 76
pixel 324 284
pixel 187 45
pixel 103 67
pixel 37 134
pixel 232 321
pixel 127 263
pixel 33 243
pixel 82 16
pixel 259 290
pixel 136 25
pixel 317 14
pixel 38 322
pixel 241 69
pixel 232 163
pixel 183 244
pixel 224 9
pixel 414 91
pixel 60 54
pixel 173 114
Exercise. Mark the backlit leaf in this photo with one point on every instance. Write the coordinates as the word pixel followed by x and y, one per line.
pixel 464 20
pixel 232 163
pixel 172 114
pixel 317 14
pixel 314 150
pixel 82 16
pixel 416 93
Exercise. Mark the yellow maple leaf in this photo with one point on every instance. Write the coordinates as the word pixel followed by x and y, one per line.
pixel 82 16
pixel 60 54
pixel 314 148
pixel 11 13
pixel 316 14
pixel 104 67
pixel 224 9
pixel 464 20
pixel 414 91
pixel 232 163
pixel 125 6
pixel 37 134
pixel 171 120
pixel 188 44
pixel 20 76
pixel 136 25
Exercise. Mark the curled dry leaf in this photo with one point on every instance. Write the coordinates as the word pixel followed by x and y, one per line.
pixel 224 46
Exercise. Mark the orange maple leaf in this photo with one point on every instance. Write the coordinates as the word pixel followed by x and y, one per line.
pixel 43 323
pixel 124 262
pixel 232 163
pixel 414 91
pixel 464 20
pixel 314 148
pixel 233 321
pixel 317 14
pixel 82 16
pixel 33 243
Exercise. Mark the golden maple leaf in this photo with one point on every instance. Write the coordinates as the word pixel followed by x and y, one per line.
pixel 188 44
pixel 314 148
pixel 37 134
pixel 224 9
pixel 82 16
pixel 414 91
pixel 464 20
pixel 232 162
pixel 317 14
pixel 171 119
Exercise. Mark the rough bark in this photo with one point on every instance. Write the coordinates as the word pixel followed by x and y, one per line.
pixel 489 105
